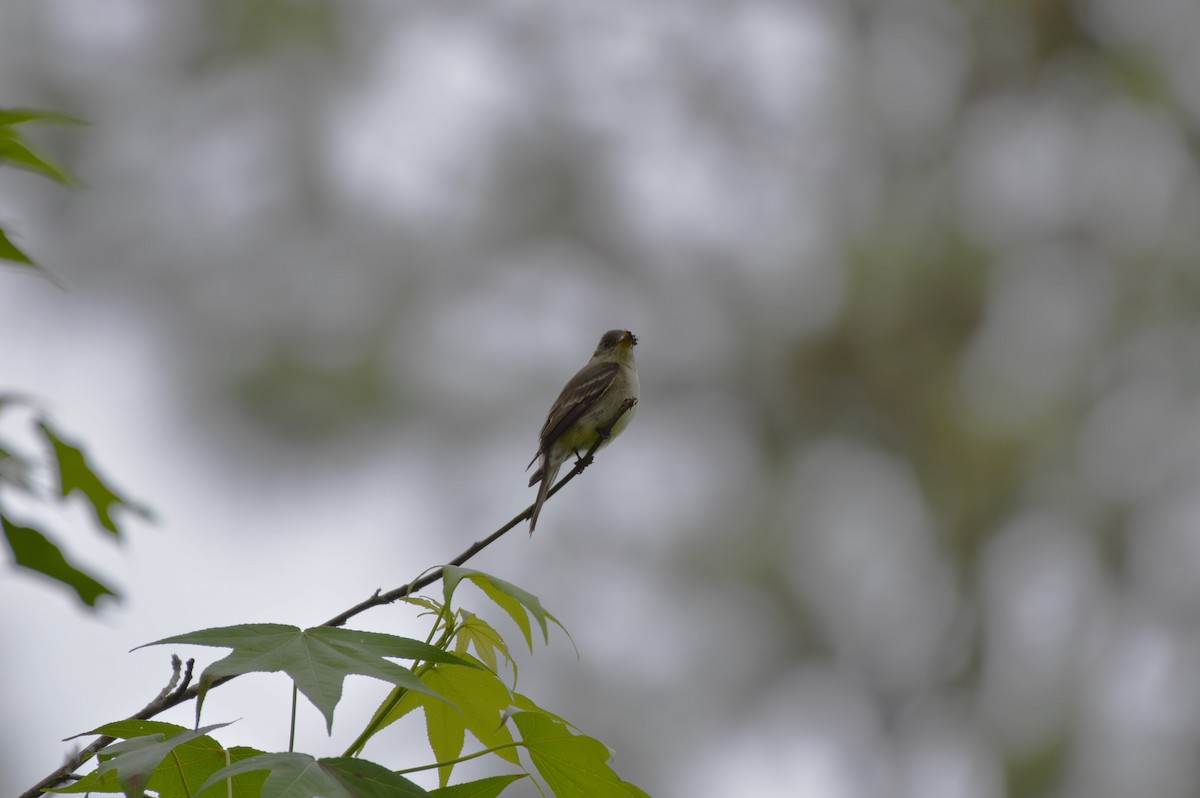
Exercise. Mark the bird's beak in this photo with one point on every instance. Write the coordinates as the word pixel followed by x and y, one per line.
pixel 629 340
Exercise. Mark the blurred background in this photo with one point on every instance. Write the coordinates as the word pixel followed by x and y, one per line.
pixel 911 506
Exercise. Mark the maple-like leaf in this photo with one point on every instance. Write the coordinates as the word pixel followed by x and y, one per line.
pixel 318 660
pixel 135 760
pixel 189 762
pixel 518 603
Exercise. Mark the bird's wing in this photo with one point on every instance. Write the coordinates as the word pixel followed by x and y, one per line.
pixel 580 392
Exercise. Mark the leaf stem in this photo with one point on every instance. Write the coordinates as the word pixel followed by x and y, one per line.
pixel 292 732
pixel 475 755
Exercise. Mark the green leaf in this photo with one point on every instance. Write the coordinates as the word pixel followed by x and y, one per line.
pixel 518 603
pixel 573 765
pixel 475 632
pixel 187 766
pixel 301 776
pixel 483 788
pixel 11 252
pixel 17 116
pixel 446 730
pixel 318 659
pixel 75 474
pixel 33 550
pixel 482 698
pixel 15 150
pixel 133 727
pixel 422 601
pixel 137 759
pixel 106 781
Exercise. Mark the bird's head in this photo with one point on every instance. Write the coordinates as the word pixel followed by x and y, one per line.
pixel 616 339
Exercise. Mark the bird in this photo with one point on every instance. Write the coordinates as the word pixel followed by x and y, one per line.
pixel 594 406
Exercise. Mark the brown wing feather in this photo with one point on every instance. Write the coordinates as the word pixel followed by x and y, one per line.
pixel 580 392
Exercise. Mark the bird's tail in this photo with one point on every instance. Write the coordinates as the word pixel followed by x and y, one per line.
pixel 546 473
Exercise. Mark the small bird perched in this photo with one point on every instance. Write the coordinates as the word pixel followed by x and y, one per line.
pixel 588 410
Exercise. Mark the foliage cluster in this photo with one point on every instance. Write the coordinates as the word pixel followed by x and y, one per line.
pixel 454 678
